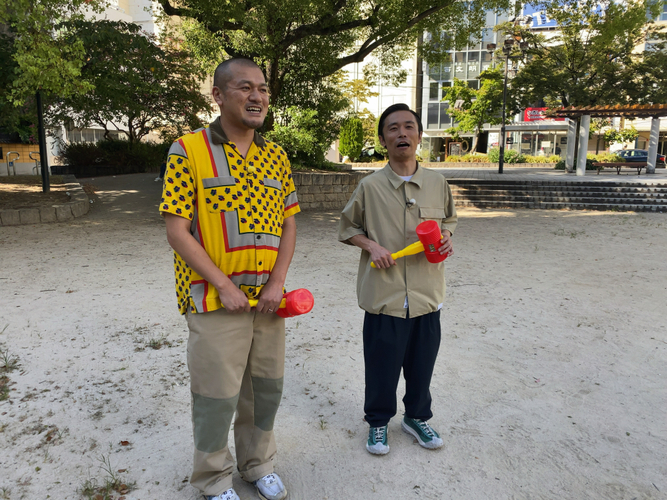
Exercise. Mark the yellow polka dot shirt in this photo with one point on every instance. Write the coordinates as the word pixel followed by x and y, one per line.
pixel 237 206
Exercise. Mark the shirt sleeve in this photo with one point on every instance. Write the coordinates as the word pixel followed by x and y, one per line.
pixel 178 191
pixel 289 191
pixel 352 217
pixel 451 219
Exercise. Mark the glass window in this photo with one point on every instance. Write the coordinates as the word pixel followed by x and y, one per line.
pixel 460 65
pixel 445 119
pixel 433 91
pixel 487 60
pixel 447 68
pixel 490 18
pixel 473 84
pixel 432 116
pixel 473 64
pixel 434 72
pixel 663 16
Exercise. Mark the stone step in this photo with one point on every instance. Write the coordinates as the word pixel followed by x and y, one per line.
pixel 566 199
pixel 560 187
pixel 565 206
pixel 556 192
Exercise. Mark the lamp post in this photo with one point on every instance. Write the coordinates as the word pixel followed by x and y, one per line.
pixel 509 45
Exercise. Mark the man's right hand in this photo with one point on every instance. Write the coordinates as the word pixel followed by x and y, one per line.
pixel 380 256
pixel 233 299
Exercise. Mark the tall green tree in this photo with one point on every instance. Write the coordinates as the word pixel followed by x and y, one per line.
pixel 351 138
pixel 591 59
pixel 139 85
pixel 42 57
pixel 300 42
pixel 475 107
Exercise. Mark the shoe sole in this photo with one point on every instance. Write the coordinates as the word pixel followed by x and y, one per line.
pixel 376 452
pixel 266 498
pixel 429 446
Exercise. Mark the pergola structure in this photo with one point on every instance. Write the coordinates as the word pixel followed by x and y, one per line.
pixel 653 111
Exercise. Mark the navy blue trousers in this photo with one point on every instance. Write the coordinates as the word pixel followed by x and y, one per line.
pixel 392 344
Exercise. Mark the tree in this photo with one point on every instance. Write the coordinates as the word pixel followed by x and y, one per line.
pixel 591 60
pixel 300 42
pixel 139 86
pixel 351 138
pixel 41 59
pixel 475 107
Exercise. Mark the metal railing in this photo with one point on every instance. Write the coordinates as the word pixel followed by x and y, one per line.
pixel 37 169
pixel 10 163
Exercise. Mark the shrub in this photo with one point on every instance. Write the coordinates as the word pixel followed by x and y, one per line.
pixel 590 159
pixel 351 138
pixel 511 156
pixel 113 157
pixel 469 158
pixel 542 159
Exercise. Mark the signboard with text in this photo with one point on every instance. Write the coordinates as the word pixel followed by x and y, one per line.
pixel 537 114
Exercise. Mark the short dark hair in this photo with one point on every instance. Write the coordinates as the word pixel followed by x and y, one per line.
pixel 223 73
pixel 392 109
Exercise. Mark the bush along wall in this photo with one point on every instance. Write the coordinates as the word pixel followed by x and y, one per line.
pixel 112 158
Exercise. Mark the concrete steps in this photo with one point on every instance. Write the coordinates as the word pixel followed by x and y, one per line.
pixel 616 196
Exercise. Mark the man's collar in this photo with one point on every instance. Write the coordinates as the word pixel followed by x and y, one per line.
pixel 218 135
pixel 396 179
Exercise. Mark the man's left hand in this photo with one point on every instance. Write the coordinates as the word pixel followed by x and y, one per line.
pixel 446 243
pixel 270 298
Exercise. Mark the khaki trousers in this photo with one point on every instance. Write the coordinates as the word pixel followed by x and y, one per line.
pixel 236 364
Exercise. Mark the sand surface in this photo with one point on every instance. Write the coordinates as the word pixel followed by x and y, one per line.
pixel 550 382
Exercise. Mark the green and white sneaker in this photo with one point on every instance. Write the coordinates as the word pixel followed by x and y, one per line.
pixel 377 441
pixel 426 436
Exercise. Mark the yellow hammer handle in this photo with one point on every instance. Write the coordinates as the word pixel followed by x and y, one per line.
pixel 409 250
pixel 253 303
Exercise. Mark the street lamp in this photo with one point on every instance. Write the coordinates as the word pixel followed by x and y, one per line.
pixel 509 45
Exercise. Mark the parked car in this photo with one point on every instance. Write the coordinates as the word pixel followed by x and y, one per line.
pixel 631 155
pixel 369 155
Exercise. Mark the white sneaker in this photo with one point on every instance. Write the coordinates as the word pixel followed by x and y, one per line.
pixel 270 487
pixel 230 494
pixel 377 441
pixel 158 179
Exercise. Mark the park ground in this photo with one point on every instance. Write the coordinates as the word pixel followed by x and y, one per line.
pixel 550 382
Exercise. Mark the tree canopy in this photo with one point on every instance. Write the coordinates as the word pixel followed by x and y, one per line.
pixel 475 107
pixel 299 42
pixel 591 59
pixel 41 57
pixel 139 85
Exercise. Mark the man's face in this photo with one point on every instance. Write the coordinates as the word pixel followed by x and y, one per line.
pixel 244 101
pixel 401 135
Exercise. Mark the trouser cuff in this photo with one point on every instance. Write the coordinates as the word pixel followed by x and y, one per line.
pixel 220 487
pixel 255 473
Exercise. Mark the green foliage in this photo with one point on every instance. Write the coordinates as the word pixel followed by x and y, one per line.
pixel 591 59
pixel 300 42
pixel 468 158
pixel 589 164
pixel 139 85
pixel 477 107
pixel 113 157
pixel 621 136
pixel 511 156
pixel 542 159
pixel 351 138
pixel 379 148
pixel 42 56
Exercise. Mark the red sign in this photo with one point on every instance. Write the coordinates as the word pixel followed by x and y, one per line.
pixel 536 114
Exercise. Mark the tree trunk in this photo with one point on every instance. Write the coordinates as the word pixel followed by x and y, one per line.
pixel 475 141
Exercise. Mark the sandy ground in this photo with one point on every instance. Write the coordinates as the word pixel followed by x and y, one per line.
pixel 550 381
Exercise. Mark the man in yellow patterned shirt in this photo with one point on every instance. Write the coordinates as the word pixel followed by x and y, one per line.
pixel 228 202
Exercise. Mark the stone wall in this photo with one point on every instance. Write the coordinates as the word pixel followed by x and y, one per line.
pixel 78 205
pixel 325 191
